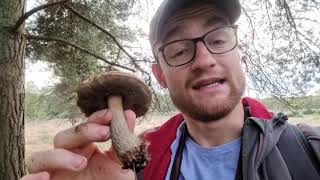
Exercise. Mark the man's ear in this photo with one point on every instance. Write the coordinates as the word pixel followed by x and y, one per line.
pixel 157 72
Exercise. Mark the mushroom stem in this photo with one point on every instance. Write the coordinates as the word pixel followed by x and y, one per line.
pixel 123 140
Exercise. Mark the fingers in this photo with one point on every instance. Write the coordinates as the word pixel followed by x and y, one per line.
pixel 101 117
pixel 131 119
pixel 37 176
pixel 95 130
pixel 57 159
pixel 81 135
pixel 105 116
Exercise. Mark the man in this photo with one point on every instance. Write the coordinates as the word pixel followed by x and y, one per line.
pixel 218 135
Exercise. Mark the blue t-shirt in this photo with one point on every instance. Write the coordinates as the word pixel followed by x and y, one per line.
pixel 200 163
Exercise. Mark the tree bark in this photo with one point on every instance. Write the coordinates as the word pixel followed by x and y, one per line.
pixel 12 67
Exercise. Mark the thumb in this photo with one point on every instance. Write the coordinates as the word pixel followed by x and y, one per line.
pixel 131 119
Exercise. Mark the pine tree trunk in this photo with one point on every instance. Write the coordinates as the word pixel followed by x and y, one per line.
pixel 12 67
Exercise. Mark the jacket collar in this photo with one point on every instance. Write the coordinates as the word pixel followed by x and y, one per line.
pixel 162 137
pixel 166 133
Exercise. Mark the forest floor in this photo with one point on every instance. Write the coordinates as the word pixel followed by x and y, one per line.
pixel 39 134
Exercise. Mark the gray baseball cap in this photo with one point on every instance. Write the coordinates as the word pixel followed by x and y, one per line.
pixel 168 7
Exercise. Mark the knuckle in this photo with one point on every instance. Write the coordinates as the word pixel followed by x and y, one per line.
pixel 102 117
pixel 36 162
pixel 57 140
pixel 29 163
pixel 63 138
pixel 32 160
pixel 81 130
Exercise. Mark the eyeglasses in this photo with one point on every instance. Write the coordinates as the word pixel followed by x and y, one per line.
pixel 218 41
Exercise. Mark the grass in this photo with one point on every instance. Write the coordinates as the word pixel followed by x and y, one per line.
pixel 313 120
pixel 39 134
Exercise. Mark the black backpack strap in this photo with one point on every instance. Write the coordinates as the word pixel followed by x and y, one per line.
pixel 139 175
pixel 311 141
pixel 312 134
pixel 298 155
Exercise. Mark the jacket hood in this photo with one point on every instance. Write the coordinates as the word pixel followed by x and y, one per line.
pixel 267 130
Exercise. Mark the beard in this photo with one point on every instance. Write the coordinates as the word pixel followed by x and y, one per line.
pixel 205 111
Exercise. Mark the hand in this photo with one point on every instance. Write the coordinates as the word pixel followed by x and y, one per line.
pixel 76 156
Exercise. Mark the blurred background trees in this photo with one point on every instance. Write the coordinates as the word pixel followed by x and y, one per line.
pixel 279 42
pixel 50 31
pixel 281 48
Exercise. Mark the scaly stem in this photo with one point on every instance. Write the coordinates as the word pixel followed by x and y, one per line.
pixel 123 140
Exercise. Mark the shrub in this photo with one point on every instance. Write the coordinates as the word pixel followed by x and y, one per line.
pixel 294 114
pixel 308 111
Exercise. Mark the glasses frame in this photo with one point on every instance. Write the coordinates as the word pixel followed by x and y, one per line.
pixel 195 41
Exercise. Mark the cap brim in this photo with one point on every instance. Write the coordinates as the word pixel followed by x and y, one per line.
pixel 169 7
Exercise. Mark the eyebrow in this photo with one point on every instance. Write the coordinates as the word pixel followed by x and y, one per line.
pixel 172 31
pixel 216 20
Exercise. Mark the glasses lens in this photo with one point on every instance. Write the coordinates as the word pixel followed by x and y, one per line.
pixel 179 52
pixel 221 40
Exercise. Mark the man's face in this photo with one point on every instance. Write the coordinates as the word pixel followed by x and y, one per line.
pixel 211 85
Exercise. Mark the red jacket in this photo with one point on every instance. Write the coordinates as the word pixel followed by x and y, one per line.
pixel 162 138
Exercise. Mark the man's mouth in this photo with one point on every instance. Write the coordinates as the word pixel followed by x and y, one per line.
pixel 208 83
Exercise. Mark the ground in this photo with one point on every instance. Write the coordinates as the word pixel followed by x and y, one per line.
pixel 39 134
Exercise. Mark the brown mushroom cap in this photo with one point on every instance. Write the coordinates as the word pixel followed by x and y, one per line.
pixel 93 92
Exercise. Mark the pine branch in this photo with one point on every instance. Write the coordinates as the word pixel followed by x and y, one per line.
pixel 43 38
pixel 74 11
pixel 26 15
pixel 289 15
pixel 250 23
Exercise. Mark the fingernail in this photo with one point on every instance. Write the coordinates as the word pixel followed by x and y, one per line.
pixel 104 132
pixel 105 112
pixel 79 162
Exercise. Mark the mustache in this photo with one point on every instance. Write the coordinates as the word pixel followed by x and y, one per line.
pixel 193 77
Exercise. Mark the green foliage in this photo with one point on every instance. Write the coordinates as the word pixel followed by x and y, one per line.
pixel 163 103
pixel 299 106
pixel 69 64
pixel 35 106
pixel 308 111
pixel 295 114
pixel 60 102
pixel 280 49
pixel 48 103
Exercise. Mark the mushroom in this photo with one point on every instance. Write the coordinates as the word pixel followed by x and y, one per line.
pixel 118 91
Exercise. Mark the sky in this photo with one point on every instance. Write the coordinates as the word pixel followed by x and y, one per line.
pixel 39 72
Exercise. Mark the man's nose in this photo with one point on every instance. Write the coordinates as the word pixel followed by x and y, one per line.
pixel 203 58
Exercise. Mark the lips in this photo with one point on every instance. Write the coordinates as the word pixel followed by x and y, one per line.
pixel 212 82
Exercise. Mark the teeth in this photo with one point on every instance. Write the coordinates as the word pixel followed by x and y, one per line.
pixel 211 85
pixel 208 85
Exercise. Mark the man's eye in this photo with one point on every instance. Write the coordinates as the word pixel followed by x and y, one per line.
pixel 217 42
pixel 179 53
